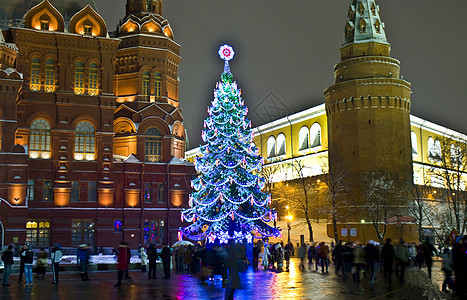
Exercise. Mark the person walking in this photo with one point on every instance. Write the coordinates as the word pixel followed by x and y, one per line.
pixel 287 253
pixel 264 259
pixel 387 256
pixel 28 259
pixel 7 258
pixel 428 249
pixel 372 259
pixel 401 255
pixel 256 253
pixel 21 263
pixel 152 258
pixel 358 261
pixel 311 255
pixel 447 269
pixel 41 263
pixel 166 255
pixel 123 260
pixel 82 258
pixel 301 255
pixel 323 253
pixel 144 258
pixel 55 257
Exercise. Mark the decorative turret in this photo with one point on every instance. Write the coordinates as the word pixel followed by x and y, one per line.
pixel 138 7
pixel 364 23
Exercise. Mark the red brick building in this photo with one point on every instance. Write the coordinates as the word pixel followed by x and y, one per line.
pixel 91 134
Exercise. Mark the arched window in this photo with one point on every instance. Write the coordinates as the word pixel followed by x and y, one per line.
pixel 146 85
pixel 39 139
pixel 271 146
pixel 84 141
pixel 79 78
pixel 49 75
pixel 434 149
pixel 456 155
pixel 280 145
pixel 93 79
pixel 315 135
pixel 153 145
pixel 35 74
pixel 303 138
pixel 414 144
pixel 157 85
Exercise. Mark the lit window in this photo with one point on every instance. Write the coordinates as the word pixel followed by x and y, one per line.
pixel 45 24
pixel 315 135
pixel 154 232
pixel 271 146
pixel 49 75
pixel 79 78
pixel 87 29
pixel 157 85
pixel 303 138
pixel 456 155
pixel 93 79
pixel 84 141
pixel 35 74
pixel 38 232
pixel 47 191
pixel 414 143
pixel 82 231
pixel 434 149
pixel 362 25
pixel 280 146
pixel 147 192
pixel 39 139
pixel 146 85
pixel 153 145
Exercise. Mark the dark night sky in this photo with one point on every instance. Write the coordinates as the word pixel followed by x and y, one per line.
pixel 289 47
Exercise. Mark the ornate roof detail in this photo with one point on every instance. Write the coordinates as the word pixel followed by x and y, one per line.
pixel 88 22
pixel 44 16
pixel 364 23
pixel 148 24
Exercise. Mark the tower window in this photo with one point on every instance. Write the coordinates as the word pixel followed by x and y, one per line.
pixel 146 85
pixel 315 135
pixel 153 145
pixel 49 76
pixel 79 78
pixel 87 29
pixel 39 139
pixel 157 85
pixel 45 25
pixel 362 25
pixel 378 26
pixel 84 141
pixel 93 79
pixel 149 5
pixel 35 74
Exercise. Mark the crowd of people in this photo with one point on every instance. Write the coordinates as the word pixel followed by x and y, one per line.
pixel 362 262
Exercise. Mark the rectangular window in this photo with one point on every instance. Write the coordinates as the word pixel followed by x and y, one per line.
pixel 30 190
pixel 160 193
pixel 92 191
pixel 38 232
pixel 48 190
pixel 154 232
pixel 147 192
pixel 74 191
pixel 82 231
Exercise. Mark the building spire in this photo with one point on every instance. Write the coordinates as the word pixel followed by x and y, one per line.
pixel 137 7
pixel 364 23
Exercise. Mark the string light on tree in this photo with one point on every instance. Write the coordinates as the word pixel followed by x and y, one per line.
pixel 227 202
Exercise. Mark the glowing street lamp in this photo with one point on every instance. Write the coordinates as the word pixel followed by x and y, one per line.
pixel 363 231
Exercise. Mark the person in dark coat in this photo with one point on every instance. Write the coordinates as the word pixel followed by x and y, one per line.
pixel 82 259
pixel 428 249
pixel 256 253
pixel 41 263
pixel 152 258
pixel 21 263
pixel 372 259
pixel 338 258
pixel 123 253
pixel 387 256
pixel 7 258
pixel 166 255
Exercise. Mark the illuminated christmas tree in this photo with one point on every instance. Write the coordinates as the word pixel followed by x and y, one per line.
pixel 227 202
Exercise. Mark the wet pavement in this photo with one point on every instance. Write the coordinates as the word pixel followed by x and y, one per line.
pixel 295 284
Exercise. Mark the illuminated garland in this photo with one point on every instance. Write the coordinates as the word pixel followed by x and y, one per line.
pixel 227 202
